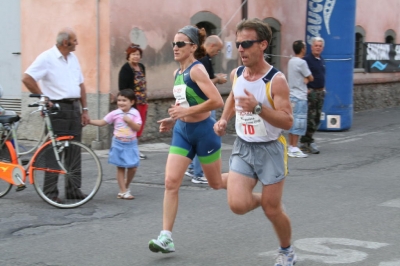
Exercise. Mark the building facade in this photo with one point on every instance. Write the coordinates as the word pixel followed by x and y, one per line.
pixel 105 28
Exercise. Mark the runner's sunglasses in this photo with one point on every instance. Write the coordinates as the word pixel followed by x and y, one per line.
pixel 180 44
pixel 246 44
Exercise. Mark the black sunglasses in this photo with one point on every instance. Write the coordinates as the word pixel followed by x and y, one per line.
pixel 135 46
pixel 247 44
pixel 180 44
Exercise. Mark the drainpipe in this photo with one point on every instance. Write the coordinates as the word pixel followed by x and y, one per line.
pixel 244 9
pixel 97 144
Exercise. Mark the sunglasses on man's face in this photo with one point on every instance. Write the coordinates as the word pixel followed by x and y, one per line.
pixel 246 44
pixel 180 44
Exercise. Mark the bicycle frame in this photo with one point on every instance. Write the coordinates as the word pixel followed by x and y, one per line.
pixel 51 157
pixel 18 177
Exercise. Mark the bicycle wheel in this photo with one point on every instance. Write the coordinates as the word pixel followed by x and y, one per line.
pixel 29 145
pixel 73 187
pixel 5 156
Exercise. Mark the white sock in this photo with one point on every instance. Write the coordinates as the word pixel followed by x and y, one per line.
pixel 167 233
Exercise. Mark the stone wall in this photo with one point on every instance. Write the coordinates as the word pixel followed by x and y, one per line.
pixel 375 96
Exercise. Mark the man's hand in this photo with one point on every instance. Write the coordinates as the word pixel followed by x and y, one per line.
pixel 246 103
pixel 220 127
pixel 221 78
pixel 85 119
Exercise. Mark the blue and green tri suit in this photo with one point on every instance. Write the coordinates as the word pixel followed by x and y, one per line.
pixel 199 138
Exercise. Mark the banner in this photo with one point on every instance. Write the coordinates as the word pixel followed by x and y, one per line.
pixel 382 57
pixel 334 21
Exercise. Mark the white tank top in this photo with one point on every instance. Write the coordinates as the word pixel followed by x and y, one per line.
pixel 251 127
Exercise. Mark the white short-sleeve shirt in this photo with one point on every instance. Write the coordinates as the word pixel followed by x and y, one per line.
pixel 297 71
pixel 59 78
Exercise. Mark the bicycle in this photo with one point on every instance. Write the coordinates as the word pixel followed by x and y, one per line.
pixel 59 163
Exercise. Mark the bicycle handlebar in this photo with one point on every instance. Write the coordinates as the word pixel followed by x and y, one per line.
pixel 43 104
pixel 35 95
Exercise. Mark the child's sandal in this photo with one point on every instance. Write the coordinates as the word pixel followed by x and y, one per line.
pixel 127 195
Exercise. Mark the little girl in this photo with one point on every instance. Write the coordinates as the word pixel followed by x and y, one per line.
pixel 124 151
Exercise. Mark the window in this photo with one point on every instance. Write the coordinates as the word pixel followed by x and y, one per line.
pixel 359 48
pixel 390 36
pixel 212 24
pixel 273 51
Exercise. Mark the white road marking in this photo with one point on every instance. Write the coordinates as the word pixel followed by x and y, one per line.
pixel 345 140
pixel 391 203
pixel 390 263
pixel 328 255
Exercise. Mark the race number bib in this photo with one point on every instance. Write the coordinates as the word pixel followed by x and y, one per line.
pixel 250 124
pixel 180 95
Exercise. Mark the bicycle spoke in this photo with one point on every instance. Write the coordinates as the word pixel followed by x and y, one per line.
pixel 74 187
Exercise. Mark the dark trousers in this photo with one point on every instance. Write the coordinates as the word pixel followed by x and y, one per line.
pixel 67 121
pixel 315 102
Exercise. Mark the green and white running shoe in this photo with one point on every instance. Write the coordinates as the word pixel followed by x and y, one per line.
pixel 163 244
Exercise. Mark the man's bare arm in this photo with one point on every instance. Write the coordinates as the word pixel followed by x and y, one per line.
pixel 31 84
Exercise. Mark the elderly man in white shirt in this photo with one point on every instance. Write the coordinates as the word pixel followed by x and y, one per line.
pixel 61 80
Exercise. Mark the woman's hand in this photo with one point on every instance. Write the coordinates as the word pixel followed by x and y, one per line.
pixel 166 124
pixel 176 111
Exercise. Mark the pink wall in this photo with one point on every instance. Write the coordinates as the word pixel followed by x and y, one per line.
pixel 41 20
pixel 292 17
pixel 159 21
pixel 376 17
pixel 159 25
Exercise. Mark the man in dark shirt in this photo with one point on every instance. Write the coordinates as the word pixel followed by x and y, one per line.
pixel 213 45
pixel 316 94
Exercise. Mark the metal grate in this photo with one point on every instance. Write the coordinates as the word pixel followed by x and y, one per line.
pixel 11 105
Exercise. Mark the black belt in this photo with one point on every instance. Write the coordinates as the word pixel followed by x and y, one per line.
pixel 70 101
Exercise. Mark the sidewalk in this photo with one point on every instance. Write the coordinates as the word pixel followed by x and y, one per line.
pixel 151 171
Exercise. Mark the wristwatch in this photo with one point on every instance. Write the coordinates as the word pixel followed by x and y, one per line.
pixel 257 109
pixel 85 109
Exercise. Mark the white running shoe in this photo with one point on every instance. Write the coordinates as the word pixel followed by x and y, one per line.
pixel 286 258
pixel 199 180
pixel 296 153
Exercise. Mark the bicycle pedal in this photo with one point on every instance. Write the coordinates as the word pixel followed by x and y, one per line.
pixel 24 161
pixel 20 188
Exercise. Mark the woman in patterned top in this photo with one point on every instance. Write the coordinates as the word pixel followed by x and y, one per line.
pixel 133 76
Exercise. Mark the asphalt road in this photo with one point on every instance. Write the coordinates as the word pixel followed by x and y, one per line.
pixel 344 205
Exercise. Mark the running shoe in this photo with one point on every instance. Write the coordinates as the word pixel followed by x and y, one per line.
pixel 296 153
pixel 189 172
pixel 163 244
pixel 285 258
pixel 304 147
pixel 314 148
pixel 199 180
pixel 142 156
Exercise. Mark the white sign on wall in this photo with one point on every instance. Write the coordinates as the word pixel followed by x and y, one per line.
pixel 228 50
